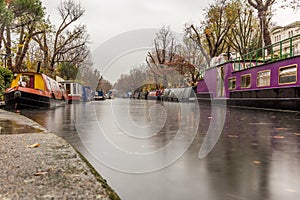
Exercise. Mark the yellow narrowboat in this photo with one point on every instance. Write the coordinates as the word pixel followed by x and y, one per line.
pixel 34 90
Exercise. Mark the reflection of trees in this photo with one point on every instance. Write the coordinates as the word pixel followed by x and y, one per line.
pixel 231 163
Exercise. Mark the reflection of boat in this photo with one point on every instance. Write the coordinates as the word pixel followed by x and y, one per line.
pixel 34 90
pixel 257 80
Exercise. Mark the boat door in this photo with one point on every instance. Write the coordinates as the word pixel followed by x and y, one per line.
pixel 220 82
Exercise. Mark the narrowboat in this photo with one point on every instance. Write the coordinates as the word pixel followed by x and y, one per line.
pixel 99 96
pixel 34 90
pixel 74 91
pixel 154 95
pixel 265 78
pixel 184 94
pixel 87 93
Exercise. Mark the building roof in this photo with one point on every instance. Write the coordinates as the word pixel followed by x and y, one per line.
pixel 291 25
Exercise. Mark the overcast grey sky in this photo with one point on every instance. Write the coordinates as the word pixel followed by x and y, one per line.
pixel 106 20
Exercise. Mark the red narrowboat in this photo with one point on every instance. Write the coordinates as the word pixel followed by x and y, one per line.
pixel 34 90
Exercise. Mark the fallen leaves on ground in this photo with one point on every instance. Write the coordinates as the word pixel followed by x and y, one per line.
pixel 256 162
pixel 281 129
pixel 40 173
pixel 33 145
pixel 290 190
pixel 278 137
pixel 232 136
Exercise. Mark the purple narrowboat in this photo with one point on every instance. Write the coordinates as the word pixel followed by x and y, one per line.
pixel 265 78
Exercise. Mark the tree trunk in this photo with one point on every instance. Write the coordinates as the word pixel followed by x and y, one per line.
pixel 45 50
pixel 20 47
pixel 1 34
pixel 8 49
pixel 23 52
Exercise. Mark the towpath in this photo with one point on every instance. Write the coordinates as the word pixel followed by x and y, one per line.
pixel 37 164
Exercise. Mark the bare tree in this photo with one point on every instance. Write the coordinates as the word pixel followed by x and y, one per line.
pixel 135 80
pixel 193 59
pixel 263 8
pixel 210 37
pixel 44 40
pixel 163 53
pixel 244 36
pixel 195 36
pixel 65 41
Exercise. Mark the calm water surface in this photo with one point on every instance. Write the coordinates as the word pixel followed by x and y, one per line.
pixel 257 155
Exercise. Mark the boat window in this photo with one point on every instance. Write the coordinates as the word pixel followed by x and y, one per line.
pixel 48 84
pixel 288 74
pixel 27 81
pixel 249 65
pixel 55 86
pixel 232 83
pixel 68 88
pixel 31 81
pixel 263 78
pixel 238 66
pixel 246 81
pixel 74 88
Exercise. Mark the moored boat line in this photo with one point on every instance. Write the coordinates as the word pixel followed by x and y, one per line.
pixel 37 90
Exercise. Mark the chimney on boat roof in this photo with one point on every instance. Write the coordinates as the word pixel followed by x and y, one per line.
pixel 38 67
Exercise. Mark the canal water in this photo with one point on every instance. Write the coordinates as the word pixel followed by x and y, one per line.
pixel 154 150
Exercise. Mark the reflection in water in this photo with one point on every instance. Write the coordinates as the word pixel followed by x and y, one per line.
pixel 256 157
pixel 11 127
pixel 110 133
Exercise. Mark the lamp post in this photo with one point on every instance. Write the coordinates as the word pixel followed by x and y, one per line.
pixel 5 57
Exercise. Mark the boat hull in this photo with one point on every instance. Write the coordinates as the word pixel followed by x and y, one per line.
pixel 292 104
pixel 18 99
pixel 74 99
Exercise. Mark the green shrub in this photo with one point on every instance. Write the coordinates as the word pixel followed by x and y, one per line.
pixel 5 79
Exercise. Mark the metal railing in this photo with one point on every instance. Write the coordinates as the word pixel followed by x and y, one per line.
pixel 281 50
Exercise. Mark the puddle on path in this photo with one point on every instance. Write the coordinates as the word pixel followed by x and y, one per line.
pixel 11 127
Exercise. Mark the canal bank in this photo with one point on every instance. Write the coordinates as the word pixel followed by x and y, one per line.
pixel 36 163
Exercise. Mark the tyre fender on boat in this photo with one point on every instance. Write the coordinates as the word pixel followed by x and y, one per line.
pixel 17 94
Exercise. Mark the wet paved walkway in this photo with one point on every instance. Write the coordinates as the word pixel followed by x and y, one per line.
pixel 36 164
